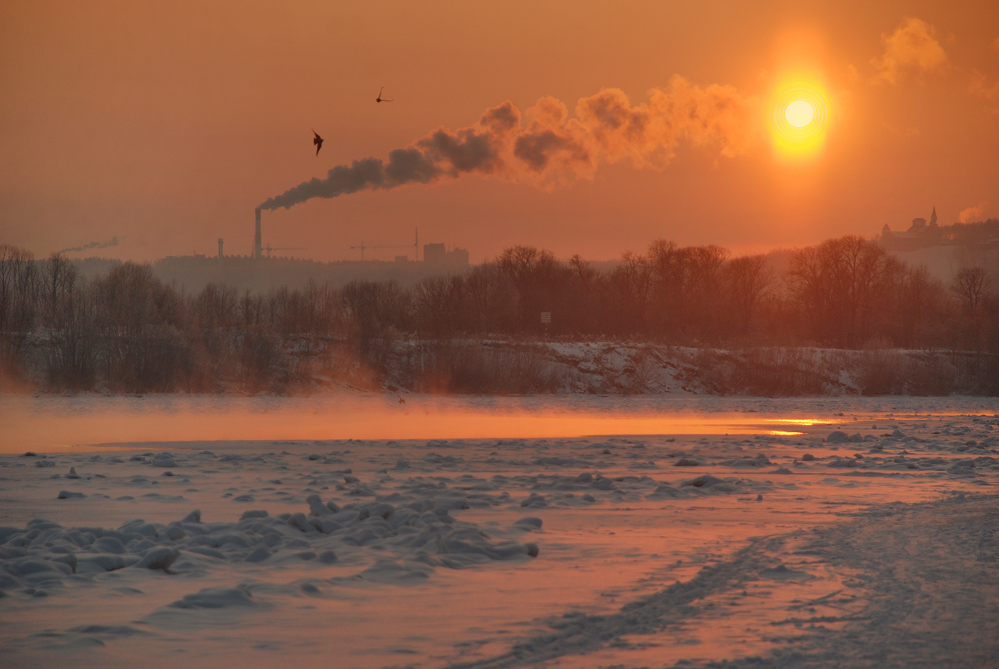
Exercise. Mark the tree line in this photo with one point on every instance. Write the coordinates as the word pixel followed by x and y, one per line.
pixel 126 331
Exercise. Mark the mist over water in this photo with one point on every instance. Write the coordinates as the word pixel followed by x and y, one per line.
pixel 58 423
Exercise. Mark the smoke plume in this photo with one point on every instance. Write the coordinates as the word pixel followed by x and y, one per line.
pixel 544 145
pixel 972 214
pixel 93 245
pixel 913 47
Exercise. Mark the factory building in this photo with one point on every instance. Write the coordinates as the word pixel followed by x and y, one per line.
pixel 437 254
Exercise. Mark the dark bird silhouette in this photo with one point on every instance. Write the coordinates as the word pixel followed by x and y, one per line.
pixel 318 141
pixel 380 98
pixel 402 401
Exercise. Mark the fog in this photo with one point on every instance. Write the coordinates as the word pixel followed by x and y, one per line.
pixel 82 421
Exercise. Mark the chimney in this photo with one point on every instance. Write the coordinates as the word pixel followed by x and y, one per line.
pixel 256 238
pixel 220 248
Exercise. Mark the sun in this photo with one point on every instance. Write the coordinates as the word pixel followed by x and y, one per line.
pixel 798 120
pixel 799 113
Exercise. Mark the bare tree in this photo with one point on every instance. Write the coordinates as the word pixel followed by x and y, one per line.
pixel 920 302
pixel 58 280
pixel 971 286
pixel 843 288
pixel 437 301
pixel 539 279
pixel 140 320
pixel 686 287
pixel 18 290
pixel 631 286
pixel 491 299
pixel 747 279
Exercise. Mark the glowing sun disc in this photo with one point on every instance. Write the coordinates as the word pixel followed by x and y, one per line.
pixel 799 113
pixel 799 117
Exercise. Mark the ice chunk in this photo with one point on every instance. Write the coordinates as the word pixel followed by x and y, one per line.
pixel 28 567
pixel 110 545
pixel 316 506
pixel 529 523
pixel 259 554
pixel 90 564
pixel 534 501
pixel 216 598
pixel 704 481
pixel 686 462
pixel 397 573
pixel 783 573
pixel 159 558
pixel 163 459
pixel 174 532
pixel 665 490
pixel 108 630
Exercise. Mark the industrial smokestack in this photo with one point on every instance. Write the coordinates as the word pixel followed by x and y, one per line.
pixel 546 146
pixel 93 245
pixel 220 248
pixel 257 251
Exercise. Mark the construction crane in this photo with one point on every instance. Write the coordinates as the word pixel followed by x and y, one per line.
pixel 362 247
pixel 415 246
pixel 269 248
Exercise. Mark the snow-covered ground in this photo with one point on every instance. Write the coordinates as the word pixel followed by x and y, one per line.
pixel 361 531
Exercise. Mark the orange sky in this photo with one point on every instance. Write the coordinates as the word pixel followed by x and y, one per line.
pixel 166 123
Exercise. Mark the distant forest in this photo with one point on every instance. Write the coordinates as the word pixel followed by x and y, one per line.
pixel 126 331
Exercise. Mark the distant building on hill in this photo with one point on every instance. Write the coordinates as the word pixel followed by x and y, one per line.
pixel 945 249
pixel 920 235
pixel 437 254
pixel 923 234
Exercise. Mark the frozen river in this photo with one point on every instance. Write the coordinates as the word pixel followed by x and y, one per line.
pixel 361 531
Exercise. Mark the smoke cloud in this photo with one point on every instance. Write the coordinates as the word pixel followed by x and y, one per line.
pixel 544 145
pixel 972 214
pixel 912 47
pixel 981 86
pixel 93 245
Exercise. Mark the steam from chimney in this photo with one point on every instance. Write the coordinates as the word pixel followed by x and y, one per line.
pixel 972 213
pixel 93 245
pixel 544 146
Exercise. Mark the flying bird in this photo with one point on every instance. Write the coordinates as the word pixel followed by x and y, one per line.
pixel 318 141
pixel 379 98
